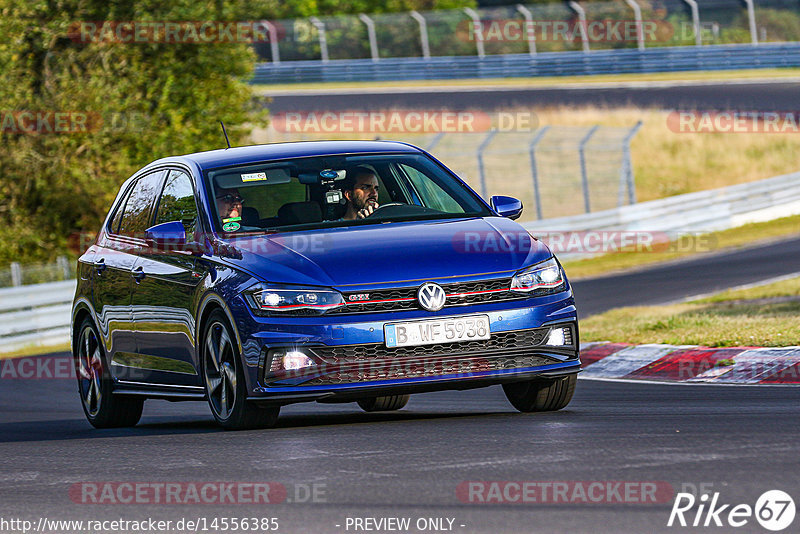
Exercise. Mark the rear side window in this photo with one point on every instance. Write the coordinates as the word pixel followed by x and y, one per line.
pixel 138 208
pixel 177 202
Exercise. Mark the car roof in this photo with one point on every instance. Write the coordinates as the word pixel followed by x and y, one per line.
pixel 257 153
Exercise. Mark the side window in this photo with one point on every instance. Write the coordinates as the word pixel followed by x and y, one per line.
pixel 114 228
pixel 177 202
pixel 432 195
pixel 136 217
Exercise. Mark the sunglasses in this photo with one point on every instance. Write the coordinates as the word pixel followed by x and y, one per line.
pixel 231 199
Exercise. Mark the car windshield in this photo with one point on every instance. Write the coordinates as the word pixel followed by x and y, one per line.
pixel 317 192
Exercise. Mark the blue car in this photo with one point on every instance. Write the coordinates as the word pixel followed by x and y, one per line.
pixel 336 271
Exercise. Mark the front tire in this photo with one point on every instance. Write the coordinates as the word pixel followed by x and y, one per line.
pixel 541 395
pixel 103 409
pixel 384 404
pixel 224 380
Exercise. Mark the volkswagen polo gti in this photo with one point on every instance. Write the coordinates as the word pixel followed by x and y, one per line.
pixel 348 271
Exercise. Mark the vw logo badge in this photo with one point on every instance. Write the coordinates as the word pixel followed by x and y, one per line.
pixel 431 296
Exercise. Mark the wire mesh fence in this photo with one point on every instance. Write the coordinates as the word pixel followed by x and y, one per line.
pixel 521 28
pixel 556 171
pixel 37 273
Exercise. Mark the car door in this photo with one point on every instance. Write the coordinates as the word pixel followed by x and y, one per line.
pixel 113 282
pixel 165 283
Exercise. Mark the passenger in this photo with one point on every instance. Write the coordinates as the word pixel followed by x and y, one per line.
pixel 229 204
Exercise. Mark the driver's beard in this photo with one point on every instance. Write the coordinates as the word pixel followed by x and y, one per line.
pixel 359 203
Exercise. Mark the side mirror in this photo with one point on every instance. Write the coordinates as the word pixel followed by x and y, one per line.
pixel 506 206
pixel 166 236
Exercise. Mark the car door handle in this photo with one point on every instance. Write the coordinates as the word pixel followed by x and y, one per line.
pixel 138 274
pixel 99 265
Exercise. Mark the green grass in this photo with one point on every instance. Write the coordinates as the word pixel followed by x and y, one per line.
pixel 765 316
pixel 35 350
pixel 542 81
pixel 707 243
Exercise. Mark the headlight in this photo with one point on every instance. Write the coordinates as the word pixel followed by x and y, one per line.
pixel 267 300
pixel 541 279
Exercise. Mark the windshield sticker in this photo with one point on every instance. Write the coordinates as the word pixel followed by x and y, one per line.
pixel 231 226
pixel 232 219
pixel 254 177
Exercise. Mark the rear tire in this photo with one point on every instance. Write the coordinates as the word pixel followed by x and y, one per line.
pixel 103 409
pixel 541 395
pixel 384 404
pixel 224 380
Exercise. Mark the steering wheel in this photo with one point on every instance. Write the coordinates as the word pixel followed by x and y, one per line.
pixel 389 205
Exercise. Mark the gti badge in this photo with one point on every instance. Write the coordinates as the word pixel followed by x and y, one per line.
pixel 358 297
pixel 431 296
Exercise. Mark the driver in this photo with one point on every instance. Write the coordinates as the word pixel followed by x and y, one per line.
pixel 361 191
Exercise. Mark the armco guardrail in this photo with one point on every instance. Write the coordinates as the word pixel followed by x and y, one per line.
pixel 619 61
pixel 35 315
pixel 701 212
pixel 39 315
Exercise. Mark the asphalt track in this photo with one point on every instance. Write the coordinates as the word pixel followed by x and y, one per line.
pixel 743 96
pixel 739 441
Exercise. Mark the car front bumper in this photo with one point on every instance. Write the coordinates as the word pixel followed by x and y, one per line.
pixel 352 360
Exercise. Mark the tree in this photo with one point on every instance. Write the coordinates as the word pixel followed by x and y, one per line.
pixel 123 104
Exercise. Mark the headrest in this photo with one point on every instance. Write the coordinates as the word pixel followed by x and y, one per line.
pixel 300 213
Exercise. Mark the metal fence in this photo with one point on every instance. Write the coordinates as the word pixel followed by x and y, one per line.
pixel 532 29
pixel 37 273
pixel 555 170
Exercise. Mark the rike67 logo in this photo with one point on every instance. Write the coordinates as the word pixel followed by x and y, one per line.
pixel 774 510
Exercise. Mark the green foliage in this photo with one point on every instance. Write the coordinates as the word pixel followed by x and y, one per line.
pixel 143 101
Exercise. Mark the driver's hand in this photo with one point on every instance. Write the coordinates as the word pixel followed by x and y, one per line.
pixel 372 205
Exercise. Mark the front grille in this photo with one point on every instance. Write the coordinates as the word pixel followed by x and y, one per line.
pixel 400 369
pixel 458 294
pixel 500 341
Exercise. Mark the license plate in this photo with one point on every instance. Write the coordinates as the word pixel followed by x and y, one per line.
pixel 432 331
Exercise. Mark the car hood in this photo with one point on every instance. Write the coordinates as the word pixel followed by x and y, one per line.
pixel 390 252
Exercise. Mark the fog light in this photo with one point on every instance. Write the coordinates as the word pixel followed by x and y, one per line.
pixel 296 360
pixel 559 336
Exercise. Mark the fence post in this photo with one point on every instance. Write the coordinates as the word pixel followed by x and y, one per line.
pixel 423 33
pixel 584 176
pixel 373 40
pixel 323 40
pixel 535 171
pixel 477 30
pixel 530 35
pixel 63 263
pixel 16 274
pixel 637 16
pixel 626 173
pixel 273 41
pixel 751 17
pixel 698 40
pixel 434 141
pixel 576 7
pixel 481 169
